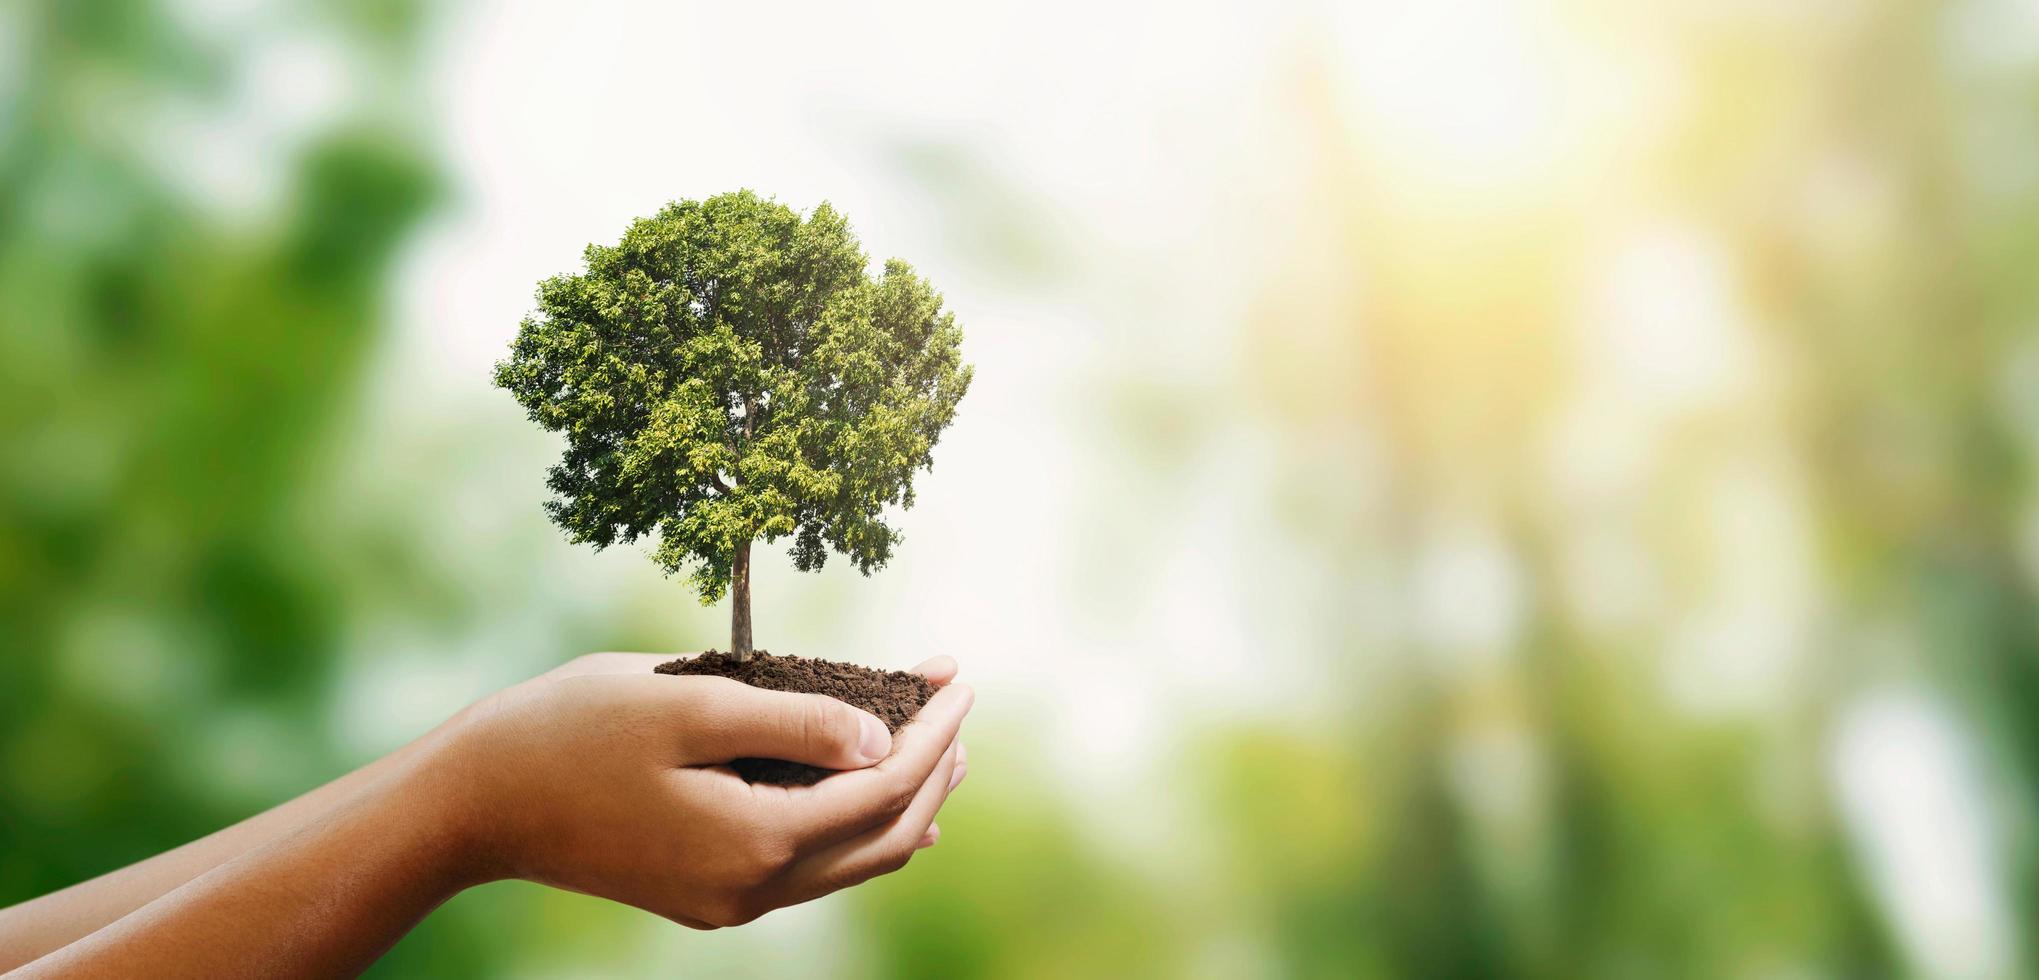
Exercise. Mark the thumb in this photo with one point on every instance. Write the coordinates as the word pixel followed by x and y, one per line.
pixel 732 720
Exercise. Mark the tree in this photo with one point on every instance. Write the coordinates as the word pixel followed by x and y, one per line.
pixel 731 372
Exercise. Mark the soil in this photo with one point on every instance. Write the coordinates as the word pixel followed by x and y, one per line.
pixel 893 695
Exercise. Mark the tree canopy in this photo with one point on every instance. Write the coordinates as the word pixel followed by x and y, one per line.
pixel 730 371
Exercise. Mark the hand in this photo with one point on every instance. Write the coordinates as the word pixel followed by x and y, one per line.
pixel 604 778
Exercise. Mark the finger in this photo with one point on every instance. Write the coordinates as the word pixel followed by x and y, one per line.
pixel 728 720
pixel 939 670
pixel 927 840
pixel 880 850
pixel 851 802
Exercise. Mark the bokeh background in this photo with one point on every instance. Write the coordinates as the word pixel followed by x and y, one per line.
pixel 1463 488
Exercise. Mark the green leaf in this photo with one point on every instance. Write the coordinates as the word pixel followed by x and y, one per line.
pixel 730 371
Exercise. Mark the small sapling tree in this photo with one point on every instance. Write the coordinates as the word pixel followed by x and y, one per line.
pixel 730 372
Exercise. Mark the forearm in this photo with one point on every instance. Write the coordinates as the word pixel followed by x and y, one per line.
pixel 324 899
pixel 600 776
pixel 39 926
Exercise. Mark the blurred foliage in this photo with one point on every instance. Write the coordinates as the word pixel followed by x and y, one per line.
pixel 170 375
pixel 170 606
pixel 953 917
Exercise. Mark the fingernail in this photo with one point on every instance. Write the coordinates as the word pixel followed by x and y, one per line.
pixel 877 741
pixel 956 778
pixel 934 833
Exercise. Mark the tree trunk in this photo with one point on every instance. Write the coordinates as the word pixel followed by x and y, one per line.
pixel 739 604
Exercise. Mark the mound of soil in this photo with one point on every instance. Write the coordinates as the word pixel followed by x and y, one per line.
pixel 893 695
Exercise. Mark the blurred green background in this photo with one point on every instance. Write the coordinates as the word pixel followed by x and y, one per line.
pixel 1452 489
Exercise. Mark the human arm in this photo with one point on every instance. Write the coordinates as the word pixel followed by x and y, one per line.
pixel 38 926
pixel 512 787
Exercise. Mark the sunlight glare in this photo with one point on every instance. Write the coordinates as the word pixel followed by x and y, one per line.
pixel 1462 90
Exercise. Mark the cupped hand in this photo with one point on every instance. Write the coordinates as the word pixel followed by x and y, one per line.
pixel 605 778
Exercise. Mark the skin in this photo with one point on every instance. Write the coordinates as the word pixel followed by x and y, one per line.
pixel 598 777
